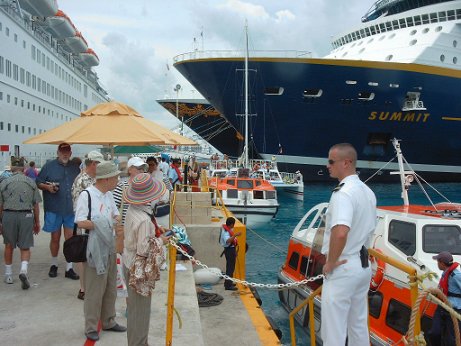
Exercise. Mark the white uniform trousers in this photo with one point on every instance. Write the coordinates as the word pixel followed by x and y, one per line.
pixel 345 306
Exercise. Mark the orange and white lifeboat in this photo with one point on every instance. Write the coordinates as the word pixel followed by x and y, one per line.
pixel 89 58
pixel 60 25
pixel 75 44
pixel 40 8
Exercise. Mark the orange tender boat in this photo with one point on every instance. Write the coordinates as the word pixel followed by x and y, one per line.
pixel 411 234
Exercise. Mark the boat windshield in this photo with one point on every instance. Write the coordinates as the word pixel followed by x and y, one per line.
pixel 438 238
pixel 245 184
pixel 383 8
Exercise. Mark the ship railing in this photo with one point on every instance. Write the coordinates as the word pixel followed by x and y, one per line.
pixel 413 283
pixel 207 54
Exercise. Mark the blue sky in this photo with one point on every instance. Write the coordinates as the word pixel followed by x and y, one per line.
pixel 136 40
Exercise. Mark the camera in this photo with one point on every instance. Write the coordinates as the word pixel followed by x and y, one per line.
pixel 55 185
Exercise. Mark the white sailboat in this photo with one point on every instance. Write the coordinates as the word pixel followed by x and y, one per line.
pixel 252 200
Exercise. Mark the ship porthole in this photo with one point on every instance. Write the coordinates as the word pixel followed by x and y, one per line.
pixel 455 60
pixel 361 50
pixel 370 40
pixel 389 57
pixel 442 58
pixel 413 42
pixel 455 43
pixel 382 37
pixel 425 31
pixel 392 35
pixel 439 28
pixel 413 32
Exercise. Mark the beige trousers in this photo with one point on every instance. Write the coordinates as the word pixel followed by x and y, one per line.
pixel 100 295
pixel 138 315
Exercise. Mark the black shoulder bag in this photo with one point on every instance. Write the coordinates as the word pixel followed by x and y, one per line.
pixel 74 248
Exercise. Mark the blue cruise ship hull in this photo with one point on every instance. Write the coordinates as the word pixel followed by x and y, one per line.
pixel 301 107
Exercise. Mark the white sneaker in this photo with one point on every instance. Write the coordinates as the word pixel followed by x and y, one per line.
pixel 8 278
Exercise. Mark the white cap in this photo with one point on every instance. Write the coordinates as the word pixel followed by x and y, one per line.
pixel 95 156
pixel 136 162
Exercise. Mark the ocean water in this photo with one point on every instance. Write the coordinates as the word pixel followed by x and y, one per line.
pixel 268 244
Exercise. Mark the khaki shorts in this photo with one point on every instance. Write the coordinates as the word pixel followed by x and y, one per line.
pixel 18 228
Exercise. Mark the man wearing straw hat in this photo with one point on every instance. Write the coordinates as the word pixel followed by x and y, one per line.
pixel 101 268
pixel 139 234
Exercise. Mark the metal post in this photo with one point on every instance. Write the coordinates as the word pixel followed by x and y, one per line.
pixel 170 303
pixel 177 88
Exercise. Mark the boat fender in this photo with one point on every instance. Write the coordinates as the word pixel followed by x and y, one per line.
pixel 378 278
pixel 256 295
pixel 275 328
pixel 208 276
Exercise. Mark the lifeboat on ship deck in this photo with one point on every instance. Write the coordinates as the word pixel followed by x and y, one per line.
pixel 75 44
pixel 88 58
pixel 60 26
pixel 40 8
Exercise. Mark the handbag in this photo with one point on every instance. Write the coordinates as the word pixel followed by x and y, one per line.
pixel 74 248
pixel 162 209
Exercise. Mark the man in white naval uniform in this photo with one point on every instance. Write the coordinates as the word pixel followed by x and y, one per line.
pixel 350 222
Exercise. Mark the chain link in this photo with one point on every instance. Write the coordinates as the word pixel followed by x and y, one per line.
pixel 244 282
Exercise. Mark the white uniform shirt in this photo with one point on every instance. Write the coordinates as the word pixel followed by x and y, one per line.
pixel 352 205
pixel 101 204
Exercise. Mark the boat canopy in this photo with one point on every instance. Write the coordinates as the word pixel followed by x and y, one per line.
pixel 384 8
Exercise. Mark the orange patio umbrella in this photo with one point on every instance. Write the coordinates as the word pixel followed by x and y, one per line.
pixel 111 123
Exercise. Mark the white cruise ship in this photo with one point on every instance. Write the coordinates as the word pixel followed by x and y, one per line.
pixel 46 76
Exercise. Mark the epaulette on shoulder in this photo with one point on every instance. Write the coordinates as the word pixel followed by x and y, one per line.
pixel 338 187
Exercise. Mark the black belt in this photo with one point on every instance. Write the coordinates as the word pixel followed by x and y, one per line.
pixel 18 211
pixel 451 294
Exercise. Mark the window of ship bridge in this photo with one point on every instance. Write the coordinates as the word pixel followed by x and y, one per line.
pixel 438 238
pixel 403 236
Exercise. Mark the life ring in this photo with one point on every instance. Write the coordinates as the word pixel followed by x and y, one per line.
pixel 378 278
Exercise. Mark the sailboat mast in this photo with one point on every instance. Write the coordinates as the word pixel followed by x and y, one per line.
pixel 246 162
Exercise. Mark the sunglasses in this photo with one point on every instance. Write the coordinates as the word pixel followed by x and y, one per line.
pixel 331 162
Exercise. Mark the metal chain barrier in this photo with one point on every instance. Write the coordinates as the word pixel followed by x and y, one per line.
pixel 243 282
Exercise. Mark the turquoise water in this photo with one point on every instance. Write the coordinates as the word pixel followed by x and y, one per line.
pixel 266 256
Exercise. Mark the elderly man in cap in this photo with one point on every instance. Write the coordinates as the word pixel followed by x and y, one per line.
pixel 19 219
pixel 101 268
pixel 85 179
pixel 442 331
pixel 55 180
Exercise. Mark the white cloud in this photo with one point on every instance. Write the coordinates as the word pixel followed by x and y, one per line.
pixel 284 15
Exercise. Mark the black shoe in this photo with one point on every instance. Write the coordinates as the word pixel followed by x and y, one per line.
pixel 232 288
pixel 71 274
pixel 92 336
pixel 81 295
pixel 24 281
pixel 116 328
pixel 53 271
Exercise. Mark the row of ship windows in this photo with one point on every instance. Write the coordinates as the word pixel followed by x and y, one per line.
pixel 50 65
pixel 435 17
pixel 53 67
pixel 19 74
pixel 21 103
pixel 9 127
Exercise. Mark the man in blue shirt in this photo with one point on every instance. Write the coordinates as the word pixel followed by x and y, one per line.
pixel 442 331
pixel 55 180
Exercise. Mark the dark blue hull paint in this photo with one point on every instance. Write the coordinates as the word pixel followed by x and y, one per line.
pixel 305 128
